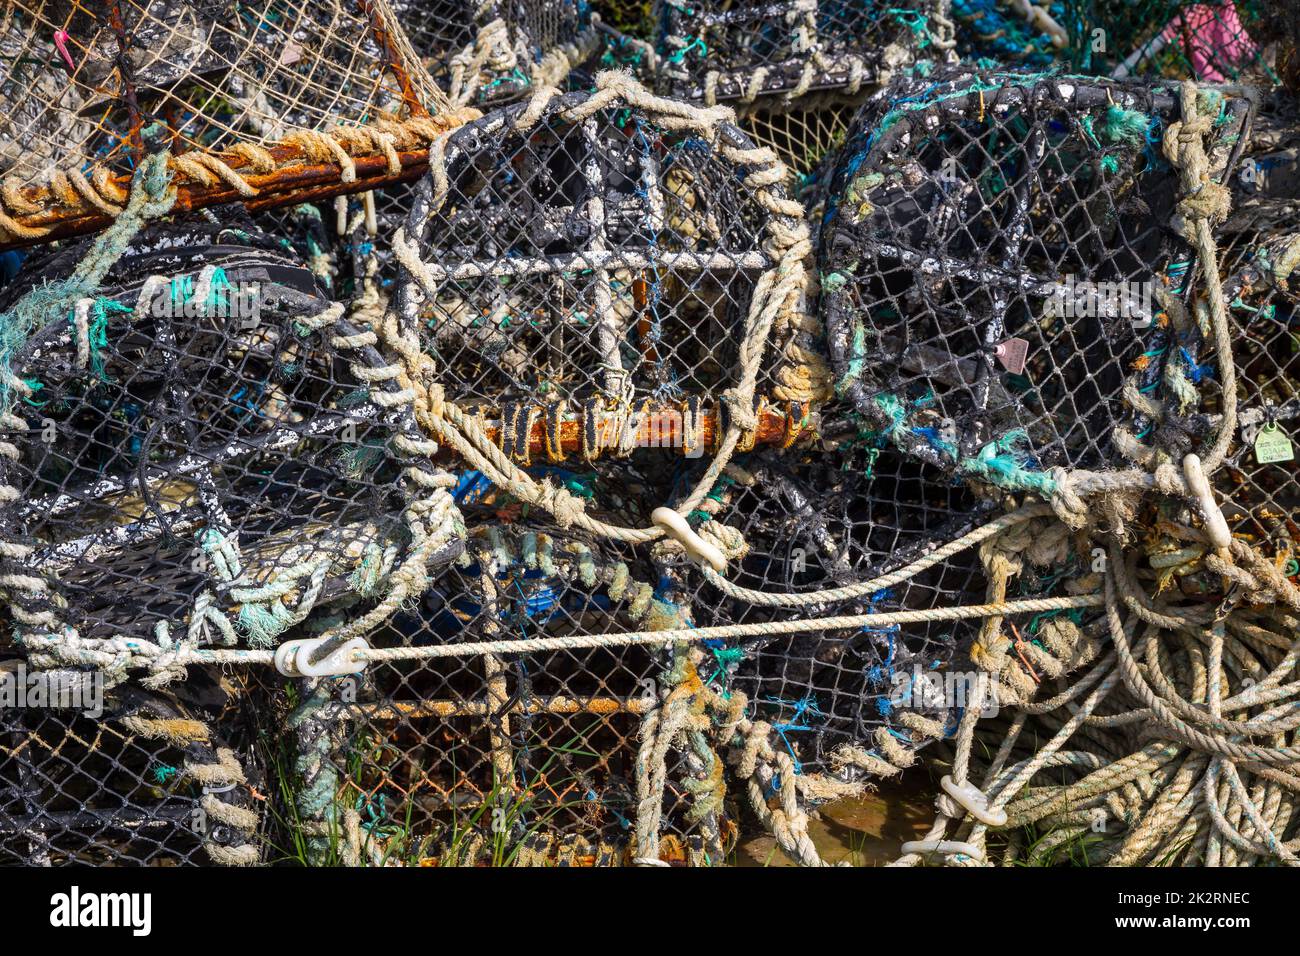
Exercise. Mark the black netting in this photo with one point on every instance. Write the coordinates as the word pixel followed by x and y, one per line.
pixel 196 455
pixel 994 266
pixel 759 47
pixel 124 783
pixel 821 521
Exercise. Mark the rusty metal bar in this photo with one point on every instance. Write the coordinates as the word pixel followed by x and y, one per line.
pixel 661 428
pixel 295 179
pixel 443 709
pixel 392 58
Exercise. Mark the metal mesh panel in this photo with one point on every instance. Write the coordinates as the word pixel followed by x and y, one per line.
pixel 993 268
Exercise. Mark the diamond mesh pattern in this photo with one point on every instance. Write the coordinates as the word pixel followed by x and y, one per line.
pixel 1262 496
pixel 212 75
pixel 993 211
pixel 760 47
pixel 231 459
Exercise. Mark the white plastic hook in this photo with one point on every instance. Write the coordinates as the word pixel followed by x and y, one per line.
pixel 283 659
pixel 946 847
pixel 973 802
pixel 1216 527
pixel 293 658
pixel 698 549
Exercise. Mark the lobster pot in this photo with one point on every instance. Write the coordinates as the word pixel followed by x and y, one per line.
pixel 795 71
pixel 997 264
pixel 256 101
pixel 588 282
pixel 832 519
pixel 516 35
pixel 512 758
pixel 136 779
pixel 1210 41
pixel 1258 482
pixel 750 49
pixel 202 457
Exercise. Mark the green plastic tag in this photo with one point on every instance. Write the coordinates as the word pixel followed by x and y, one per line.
pixel 1272 445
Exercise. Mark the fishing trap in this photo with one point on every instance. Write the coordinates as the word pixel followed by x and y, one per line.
pixel 206 452
pixel 997 261
pixel 261 103
pixel 602 279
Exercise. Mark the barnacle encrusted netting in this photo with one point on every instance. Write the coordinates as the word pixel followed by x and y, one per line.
pixel 997 269
pixel 204 451
pixel 259 102
pixel 796 71
pixel 139 779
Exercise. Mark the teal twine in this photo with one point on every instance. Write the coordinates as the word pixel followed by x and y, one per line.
pixel 857 358
pixel 150 198
pixel 368 576
pixel 1125 126
pixel 999 464
pixel 895 411
pixel 97 330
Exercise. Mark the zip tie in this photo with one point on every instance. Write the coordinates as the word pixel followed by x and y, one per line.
pixel 946 847
pixel 696 547
pixel 293 658
pixel 973 802
pixel 1216 527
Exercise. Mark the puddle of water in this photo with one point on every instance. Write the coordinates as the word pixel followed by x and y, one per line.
pixel 866 831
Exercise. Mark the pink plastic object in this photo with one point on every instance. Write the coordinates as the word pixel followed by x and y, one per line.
pixel 61 43
pixel 1211 35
